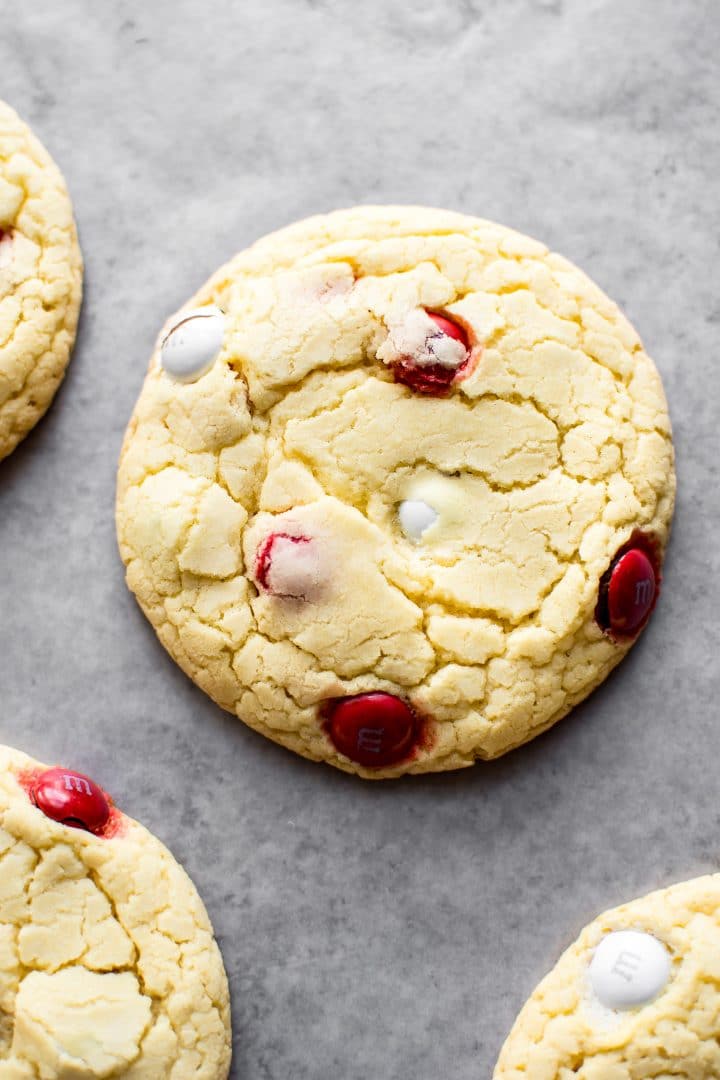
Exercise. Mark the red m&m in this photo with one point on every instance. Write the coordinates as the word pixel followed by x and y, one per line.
pixel 447 326
pixel 631 592
pixel 72 799
pixel 374 729
pixel 432 379
pixel 290 566
pixel 629 589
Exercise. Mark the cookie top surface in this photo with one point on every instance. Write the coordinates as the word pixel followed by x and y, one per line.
pixel 635 997
pixel 40 279
pixel 397 452
pixel 108 965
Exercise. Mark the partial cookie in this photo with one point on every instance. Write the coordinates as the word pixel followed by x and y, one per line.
pixel 397 488
pixel 637 996
pixel 40 279
pixel 108 965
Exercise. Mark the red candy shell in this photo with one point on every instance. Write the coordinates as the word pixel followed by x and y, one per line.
pixel 448 327
pixel 373 729
pixel 263 559
pixel 432 379
pixel 72 799
pixel 631 591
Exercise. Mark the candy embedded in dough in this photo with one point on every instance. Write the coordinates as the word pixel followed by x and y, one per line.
pixel 416 517
pixel 193 343
pixel 629 968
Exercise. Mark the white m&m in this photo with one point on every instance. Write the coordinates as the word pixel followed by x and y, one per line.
pixel 192 345
pixel 629 968
pixel 416 517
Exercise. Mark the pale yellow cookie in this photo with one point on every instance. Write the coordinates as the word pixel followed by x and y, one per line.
pixel 397 488
pixel 40 279
pixel 636 997
pixel 108 965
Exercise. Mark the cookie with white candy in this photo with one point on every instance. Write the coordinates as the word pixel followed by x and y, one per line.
pixel 108 965
pixel 40 279
pixel 397 488
pixel 635 997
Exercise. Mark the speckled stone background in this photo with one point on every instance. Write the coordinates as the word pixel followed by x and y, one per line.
pixel 371 932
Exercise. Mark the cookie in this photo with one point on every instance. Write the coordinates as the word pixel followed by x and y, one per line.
pixel 40 279
pixel 397 488
pixel 108 966
pixel 636 996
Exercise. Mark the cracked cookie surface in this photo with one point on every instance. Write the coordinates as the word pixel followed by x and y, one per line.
pixel 40 279
pixel 564 1031
pixel 108 965
pixel 346 501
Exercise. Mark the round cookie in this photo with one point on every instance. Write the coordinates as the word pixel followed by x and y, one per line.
pixel 40 279
pixel 636 996
pixel 397 488
pixel 108 965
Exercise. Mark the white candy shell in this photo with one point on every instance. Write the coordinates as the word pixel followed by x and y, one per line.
pixel 629 969
pixel 416 517
pixel 192 345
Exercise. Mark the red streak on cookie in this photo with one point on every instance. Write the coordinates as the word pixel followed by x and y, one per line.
pixel 73 799
pixel 630 588
pixel 375 729
pixel 434 379
pixel 263 559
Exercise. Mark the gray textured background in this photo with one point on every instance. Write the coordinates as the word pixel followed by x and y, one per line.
pixel 371 932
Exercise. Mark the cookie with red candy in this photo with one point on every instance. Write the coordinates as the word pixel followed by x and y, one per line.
pixel 397 488
pixel 110 965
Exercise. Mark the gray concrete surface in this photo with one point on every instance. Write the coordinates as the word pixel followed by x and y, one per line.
pixel 370 932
